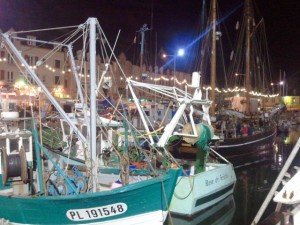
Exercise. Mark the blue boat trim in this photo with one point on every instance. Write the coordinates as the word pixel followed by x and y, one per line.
pixel 215 195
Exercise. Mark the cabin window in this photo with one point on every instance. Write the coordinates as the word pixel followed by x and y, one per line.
pixel 13 145
pixel 3 142
pixel 84 131
pixel 12 106
pixel 66 128
pixel 104 134
pixel 26 144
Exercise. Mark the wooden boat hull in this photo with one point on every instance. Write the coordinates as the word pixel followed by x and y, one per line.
pixel 252 143
pixel 142 202
pixel 236 150
pixel 195 193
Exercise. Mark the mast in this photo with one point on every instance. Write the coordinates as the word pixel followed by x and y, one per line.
pixel 142 31
pixel 92 144
pixel 213 59
pixel 249 18
pixel 204 45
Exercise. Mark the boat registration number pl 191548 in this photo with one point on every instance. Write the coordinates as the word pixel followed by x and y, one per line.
pixel 97 212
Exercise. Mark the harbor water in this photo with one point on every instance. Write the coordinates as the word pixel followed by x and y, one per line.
pixel 253 184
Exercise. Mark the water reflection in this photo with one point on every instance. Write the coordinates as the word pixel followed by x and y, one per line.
pixel 220 214
pixel 253 185
pixel 254 182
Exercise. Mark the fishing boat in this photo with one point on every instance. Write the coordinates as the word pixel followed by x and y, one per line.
pixel 203 183
pixel 56 192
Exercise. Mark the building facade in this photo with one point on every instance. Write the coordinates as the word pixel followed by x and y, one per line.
pixel 56 75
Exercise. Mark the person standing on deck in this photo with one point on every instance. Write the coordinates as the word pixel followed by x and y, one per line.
pixel 238 128
pixel 245 130
pixel 223 127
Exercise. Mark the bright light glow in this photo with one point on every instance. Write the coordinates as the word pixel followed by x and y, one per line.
pixel 180 52
pixel 19 84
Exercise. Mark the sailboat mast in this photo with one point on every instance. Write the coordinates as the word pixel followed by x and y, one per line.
pixel 249 18
pixel 213 59
pixel 92 145
pixel 142 31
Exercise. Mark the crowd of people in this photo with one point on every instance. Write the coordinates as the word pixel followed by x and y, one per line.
pixel 232 127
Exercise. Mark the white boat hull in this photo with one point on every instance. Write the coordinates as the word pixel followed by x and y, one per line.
pixel 195 193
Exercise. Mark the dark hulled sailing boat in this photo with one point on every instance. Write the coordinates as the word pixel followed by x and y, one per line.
pixel 259 141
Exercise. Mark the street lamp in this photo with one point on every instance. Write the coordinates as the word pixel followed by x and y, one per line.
pixel 281 83
pixel 241 74
pixel 180 52
pixel 272 85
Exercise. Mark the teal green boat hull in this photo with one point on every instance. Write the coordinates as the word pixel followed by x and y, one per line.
pixel 134 200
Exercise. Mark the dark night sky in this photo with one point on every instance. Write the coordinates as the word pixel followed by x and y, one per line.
pixel 174 21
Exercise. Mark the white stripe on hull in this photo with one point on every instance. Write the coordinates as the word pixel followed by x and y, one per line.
pixel 247 143
pixel 152 218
